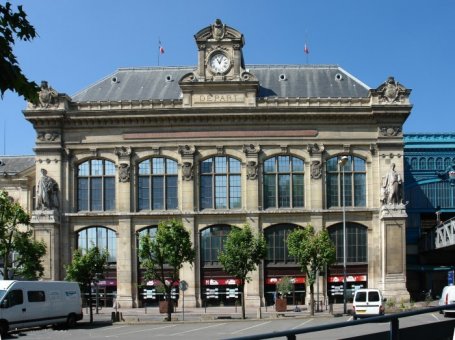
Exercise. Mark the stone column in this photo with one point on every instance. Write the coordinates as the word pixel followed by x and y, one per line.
pixel 124 261
pixel 393 245
pixel 46 226
pixel 188 272
pixel 253 288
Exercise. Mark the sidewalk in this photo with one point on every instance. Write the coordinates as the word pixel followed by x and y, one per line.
pixel 151 314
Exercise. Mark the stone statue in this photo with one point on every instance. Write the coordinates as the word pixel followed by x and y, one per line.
pixel 391 187
pixel 251 170
pixel 47 95
pixel 46 193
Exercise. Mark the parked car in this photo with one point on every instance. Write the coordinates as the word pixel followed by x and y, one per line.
pixel 447 297
pixel 26 304
pixel 368 302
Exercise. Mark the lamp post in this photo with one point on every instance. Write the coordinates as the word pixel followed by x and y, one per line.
pixel 342 163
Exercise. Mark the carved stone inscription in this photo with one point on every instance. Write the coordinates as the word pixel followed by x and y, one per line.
pixel 207 99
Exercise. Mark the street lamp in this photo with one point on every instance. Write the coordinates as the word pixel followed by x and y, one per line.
pixel 342 163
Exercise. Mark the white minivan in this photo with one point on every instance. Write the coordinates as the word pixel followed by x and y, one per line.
pixel 368 302
pixel 447 298
pixel 38 303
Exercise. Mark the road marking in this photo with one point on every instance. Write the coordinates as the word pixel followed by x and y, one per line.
pixel 435 316
pixel 244 329
pixel 198 329
pixel 303 323
pixel 139 331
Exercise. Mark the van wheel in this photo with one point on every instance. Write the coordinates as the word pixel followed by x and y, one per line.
pixel 3 329
pixel 71 321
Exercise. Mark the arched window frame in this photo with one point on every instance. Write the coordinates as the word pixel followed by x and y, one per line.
pixel 277 246
pixel 101 237
pixel 283 182
pixel 354 182
pixel 157 184
pixel 356 241
pixel 212 241
pixel 96 185
pixel 220 183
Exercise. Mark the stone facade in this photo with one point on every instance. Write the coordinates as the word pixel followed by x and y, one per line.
pixel 223 108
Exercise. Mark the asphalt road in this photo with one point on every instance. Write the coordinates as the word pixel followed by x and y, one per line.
pixel 222 329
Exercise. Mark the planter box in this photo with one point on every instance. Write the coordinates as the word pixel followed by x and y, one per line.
pixel 163 307
pixel 281 305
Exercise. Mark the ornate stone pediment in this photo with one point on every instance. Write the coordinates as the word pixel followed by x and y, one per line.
pixel 391 92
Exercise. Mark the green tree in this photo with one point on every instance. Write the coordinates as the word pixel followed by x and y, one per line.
pixel 87 269
pixel 242 252
pixel 14 25
pixel 313 251
pixel 163 256
pixel 20 253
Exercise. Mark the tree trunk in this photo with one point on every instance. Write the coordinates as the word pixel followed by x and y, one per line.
pixel 169 303
pixel 312 299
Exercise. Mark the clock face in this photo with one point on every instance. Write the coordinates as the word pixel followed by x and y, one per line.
pixel 219 63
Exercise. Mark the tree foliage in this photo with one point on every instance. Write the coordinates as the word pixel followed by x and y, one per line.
pixel 242 252
pixel 20 253
pixel 14 25
pixel 313 251
pixel 163 256
pixel 87 269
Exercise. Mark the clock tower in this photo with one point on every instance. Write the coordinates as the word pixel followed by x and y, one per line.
pixel 220 78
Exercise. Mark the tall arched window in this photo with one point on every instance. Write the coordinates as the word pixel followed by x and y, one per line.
pixel 423 163
pixel 356 241
pixel 354 182
pixel 277 244
pixel 283 182
pixel 96 185
pixel 220 183
pixel 157 184
pixel 431 163
pixel 439 165
pixel 212 242
pixel 414 163
pixel 101 237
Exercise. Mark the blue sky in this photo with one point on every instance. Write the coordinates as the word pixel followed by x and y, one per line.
pixel 83 41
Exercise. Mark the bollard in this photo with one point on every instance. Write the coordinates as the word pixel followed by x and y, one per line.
pixel 331 308
pixel 259 313
pixel 113 317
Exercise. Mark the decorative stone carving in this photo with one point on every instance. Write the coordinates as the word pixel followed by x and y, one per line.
pixel 372 148
pixel 250 150
pixel 391 91
pixel 316 169
pixel 284 149
pixel 124 172
pixel 47 95
pixel 315 148
pixel 46 192
pixel 48 136
pixel 218 30
pixel 251 170
pixel 391 188
pixel 187 171
pixel 123 151
pixel 220 149
pixel 187 150
pixel 390 131
pixel 347 148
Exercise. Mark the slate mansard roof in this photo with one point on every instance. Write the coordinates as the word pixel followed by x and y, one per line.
pixel 13 165
pixel 283 81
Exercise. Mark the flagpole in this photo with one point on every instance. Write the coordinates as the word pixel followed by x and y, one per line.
pixel 159 52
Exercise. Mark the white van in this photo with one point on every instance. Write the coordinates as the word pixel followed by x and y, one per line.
pixel 447 297
pixel 368 302
pixel 38 303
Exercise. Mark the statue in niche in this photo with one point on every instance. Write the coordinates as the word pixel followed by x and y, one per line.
pixel 252 170
pixel 46 192
pixel 391 187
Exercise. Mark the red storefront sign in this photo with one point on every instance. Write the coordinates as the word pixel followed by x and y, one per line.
pixel 275 280
pixel 349 278
pixel 220 282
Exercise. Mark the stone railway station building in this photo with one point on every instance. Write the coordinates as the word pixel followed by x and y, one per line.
pixel 219 145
